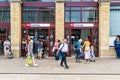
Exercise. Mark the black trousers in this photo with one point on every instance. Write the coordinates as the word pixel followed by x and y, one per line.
pixel 64 54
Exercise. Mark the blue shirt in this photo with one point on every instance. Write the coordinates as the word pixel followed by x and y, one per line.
pixel 117 44
pixel 39 45
pixel 78 44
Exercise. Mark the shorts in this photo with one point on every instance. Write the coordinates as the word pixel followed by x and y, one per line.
pixel 30 54
pixel 92 54
pixel 87 48
pixel 39 50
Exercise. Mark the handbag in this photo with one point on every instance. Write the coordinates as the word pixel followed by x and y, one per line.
pixel 53 50
pixel 29 60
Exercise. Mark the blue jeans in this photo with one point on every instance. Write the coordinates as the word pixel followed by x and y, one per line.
pixel 77 52
pixel 118 53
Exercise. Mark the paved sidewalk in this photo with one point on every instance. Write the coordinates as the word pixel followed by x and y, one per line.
pixel 49 65
pixel 49 69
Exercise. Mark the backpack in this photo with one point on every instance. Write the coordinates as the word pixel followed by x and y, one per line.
pixel 75 45
pixel 29 60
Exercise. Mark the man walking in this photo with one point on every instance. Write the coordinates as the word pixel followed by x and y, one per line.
pixel 77 46
pixel 64 50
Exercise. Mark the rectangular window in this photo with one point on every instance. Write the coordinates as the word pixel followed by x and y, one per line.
pixel 81 0
pixel 114 22
pixel 38 0
pixel 38 14
pixel 29 14
pixel 81 14
pixel 88 0
pixel 3 0
pixel 89 16
pixel 4 14
pixel 75 16
pixel 46 16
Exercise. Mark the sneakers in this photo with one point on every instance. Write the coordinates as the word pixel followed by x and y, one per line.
pixel 62 65
pixel 27 65
pixel 35 65
pixel 67 67
pixel 31 65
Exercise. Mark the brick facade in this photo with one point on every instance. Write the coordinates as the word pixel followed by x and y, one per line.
pixel 104 29
pixel 15 27
pixel 104 25
pixel 59 25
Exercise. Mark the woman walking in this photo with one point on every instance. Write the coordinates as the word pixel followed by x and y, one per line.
pixel 30 51
pixel 86 45
pixel 56 49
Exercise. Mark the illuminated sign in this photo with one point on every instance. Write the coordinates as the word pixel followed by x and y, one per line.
pixel 83 25
pixel 39 25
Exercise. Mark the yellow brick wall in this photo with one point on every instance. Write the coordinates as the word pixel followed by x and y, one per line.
pixel 104 25
pixel 15 28
pixel 59 25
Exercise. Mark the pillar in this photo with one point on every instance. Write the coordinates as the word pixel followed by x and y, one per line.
pixel 104 25
pixel 15 14
pixel 59 26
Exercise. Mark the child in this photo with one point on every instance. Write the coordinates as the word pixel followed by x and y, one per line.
pixel 87 55
pixel 92 55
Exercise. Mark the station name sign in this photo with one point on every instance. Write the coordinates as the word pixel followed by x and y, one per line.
pixel 83 25
pixel 39 24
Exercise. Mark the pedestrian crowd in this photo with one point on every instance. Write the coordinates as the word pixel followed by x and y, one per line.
pixel 60 50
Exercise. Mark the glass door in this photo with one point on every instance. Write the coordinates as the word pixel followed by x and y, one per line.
pixel 68 37
pixel 51 40
pixel 90 33
pixel 3 36
pixel 95 42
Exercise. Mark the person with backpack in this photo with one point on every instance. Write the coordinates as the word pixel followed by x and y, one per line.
pixel 64 49
pixel 77 46
pixel 59 53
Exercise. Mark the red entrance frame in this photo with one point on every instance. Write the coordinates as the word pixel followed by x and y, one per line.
pixel 52 24
pixel 71 26
pixel 5 25
pixel 50 28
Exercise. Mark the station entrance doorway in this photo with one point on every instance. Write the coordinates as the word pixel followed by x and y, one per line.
pixel 74 34
pixel 47 35
pixel 4 34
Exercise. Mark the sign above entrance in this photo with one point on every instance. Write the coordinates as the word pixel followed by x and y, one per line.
pixel 39 25
pixel 82 25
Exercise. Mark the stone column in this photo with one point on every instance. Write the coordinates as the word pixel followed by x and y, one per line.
pixel 15 14
pixel 104 25
pixel 59 18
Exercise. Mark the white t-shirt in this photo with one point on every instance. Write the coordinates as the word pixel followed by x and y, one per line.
pixel 64 47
